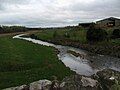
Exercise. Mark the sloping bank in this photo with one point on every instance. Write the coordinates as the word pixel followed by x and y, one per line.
pixel 22 62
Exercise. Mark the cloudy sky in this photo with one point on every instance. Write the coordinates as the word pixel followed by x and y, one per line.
pixel 44 13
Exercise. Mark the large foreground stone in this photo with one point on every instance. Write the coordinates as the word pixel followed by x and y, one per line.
pixel 40 85
pixel 23 87
pixel 108 78
pixel 103 80
pixel 78 82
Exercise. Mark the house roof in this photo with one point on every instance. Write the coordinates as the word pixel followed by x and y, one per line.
pixel 110 18
pixel 85 24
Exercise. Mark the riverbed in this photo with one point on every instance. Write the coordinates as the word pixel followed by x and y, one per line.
pixel 89 65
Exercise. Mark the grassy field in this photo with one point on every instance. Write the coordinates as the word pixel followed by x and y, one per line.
pixel 22 62
pixel 77 38
pixel 75 35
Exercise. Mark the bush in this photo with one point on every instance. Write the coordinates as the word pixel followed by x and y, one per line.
pixel 55 34
pixel 116 33
pixel 67 35
pixel 1 29
pixel 76 28
pixel 96 34
pixel 33 36
pixel 11 29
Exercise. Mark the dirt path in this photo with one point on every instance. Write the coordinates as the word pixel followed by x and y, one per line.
pixel 28 32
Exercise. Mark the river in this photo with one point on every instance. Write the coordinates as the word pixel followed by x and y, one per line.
pixel 87 66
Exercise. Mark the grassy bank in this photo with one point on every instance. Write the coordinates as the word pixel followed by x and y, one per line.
pixel 22 62
pixel 74 35
pixel 77 38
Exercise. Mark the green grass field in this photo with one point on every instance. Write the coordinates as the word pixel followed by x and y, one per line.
pixel 22 62
pixel 75 35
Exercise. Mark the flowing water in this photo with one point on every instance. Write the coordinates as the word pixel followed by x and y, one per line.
pixel 90 64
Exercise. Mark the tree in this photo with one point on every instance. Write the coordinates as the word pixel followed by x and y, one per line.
pixel 33 36
pixel 67 34
pixel 55 34
pixel 116 33
pixel 10 29
pixel 1 29
pixel 96 34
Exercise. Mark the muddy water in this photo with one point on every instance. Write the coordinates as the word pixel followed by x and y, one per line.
pixel 88 65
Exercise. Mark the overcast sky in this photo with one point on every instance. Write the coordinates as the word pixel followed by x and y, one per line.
pixel 43 13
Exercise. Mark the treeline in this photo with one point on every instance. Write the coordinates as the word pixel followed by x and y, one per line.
pixel 12 29
pixel 54 28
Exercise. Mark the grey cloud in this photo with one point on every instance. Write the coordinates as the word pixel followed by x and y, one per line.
pixel 14 1
pixel 98 9
pixel 51 13
pixel 4 4
pixel 96 5
pixel 1 7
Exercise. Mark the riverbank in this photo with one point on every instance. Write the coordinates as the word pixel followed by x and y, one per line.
pixel 25 62
pixel 103 48
pixel 78 60
pixel 78 40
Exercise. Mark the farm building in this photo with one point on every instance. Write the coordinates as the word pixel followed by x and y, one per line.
pixel 85 25
pixel 109 22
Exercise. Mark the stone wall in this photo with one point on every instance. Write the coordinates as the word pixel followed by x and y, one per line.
pixel 103 80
